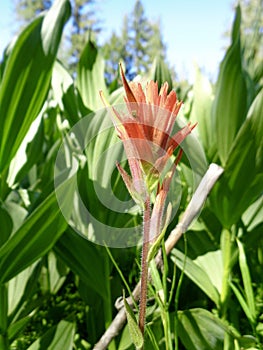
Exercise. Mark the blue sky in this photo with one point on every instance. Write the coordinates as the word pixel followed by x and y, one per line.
pixel 192 29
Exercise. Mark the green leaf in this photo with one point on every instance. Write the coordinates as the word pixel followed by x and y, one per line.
pixel 160 73
pixel 90 76
pixel 125 341
pixel 57 337
pixel 156 280
pixel 52 277
pixel 202 272
pixel 17 327
pixel 84 259
pixel 200 329
pixel 33 239
pixel 201 112
pixel 18 285
pixel 135 332
pixel 253 216
pixel 230 104
pixel 28 154
pixel 242 302
pixel 26 78
pixel 66 95
pixel 6 225
pixel 242 181
pixel 246 280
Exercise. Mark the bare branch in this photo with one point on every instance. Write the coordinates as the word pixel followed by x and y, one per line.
pixel 193 209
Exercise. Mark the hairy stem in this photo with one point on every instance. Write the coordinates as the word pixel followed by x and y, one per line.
pixel 192 210
pixel 144 263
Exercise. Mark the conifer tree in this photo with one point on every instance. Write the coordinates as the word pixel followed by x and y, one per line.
pixel 139 42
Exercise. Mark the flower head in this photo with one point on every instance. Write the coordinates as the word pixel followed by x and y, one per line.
pixel 145 128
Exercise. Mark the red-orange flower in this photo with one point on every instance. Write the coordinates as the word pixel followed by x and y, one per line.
pixel 145 128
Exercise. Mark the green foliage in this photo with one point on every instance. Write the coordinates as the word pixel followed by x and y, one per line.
pixel 26 78
pixel 57 288
pixel 90 71
pixel 83 25
pixel 134 330
pixel 57 337
pixel 230 104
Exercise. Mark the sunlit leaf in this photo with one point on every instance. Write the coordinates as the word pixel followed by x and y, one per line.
pixel 83 257
pixel 90 76
pixel 6 225
pixel 201 271
pixel 230 104
pixel 201 112
pixel 242 181
pixel 200 329
pixel 160 73
pixel 26 78
pixel 57 337
pixel 246 281
pixel 33 238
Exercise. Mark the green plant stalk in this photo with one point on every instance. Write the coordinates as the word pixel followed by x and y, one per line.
pixel 144 263
pixel 4 344
pixel 166 315
pixel 121 276
pixel 167 329
pixel 106 303
pixel 177 294
pixel 226 247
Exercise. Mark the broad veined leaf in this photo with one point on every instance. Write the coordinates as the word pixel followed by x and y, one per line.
pixel 202 271
pixel 18 285
pixel 90 76
pixel 17 327
pixel 230 104
pixel 125 342
pixel 34 238
pixel 253 216
pixel 52 278
pixel 16 212
pixel 249 294
pixel 67 95
pixel 242 181
pixel 201 112
pixel 26 77
pixel 160 73
pixel 6 225
pixel 57 337
pixel 29 152
pixel 84 258
pixel 200 329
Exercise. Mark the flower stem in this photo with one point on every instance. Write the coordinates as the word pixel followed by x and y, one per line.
pixel 144 263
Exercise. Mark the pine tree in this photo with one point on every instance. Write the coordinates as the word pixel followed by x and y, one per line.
pixel 138 44
pixel 140 31
pixel 84 25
